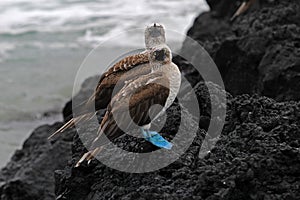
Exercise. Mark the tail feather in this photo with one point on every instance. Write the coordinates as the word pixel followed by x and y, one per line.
pixel 89 156
pixel 61 129
pixel 85 106
pixel 82 159
pixel 91 100
pixel 240 10
pixel 71 123
pixel 94 154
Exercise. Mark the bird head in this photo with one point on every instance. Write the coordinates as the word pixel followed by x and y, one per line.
pixel 160 54
pixel 154 35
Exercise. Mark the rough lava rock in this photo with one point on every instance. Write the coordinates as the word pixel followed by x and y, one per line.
pixel 30 173
pixel 259 52
pixel 256 157
pixel 86 90
pixel 79 183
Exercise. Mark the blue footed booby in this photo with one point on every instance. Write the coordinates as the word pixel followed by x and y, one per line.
pixel 129 68
pixel 138 97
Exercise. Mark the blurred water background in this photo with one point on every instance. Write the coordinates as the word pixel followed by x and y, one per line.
pixel 43 43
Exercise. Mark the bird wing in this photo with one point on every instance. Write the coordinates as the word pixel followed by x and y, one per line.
pixel 106 85
pixel 129 68
pixel 136 99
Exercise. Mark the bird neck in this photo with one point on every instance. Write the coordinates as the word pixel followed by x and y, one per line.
pixel 157 66
pixel 153 42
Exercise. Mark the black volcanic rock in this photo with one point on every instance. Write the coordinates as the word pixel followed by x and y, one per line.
pixel 85 182
pixel 30 173
pixel 257 53
pixel 86 90
pixel 256 157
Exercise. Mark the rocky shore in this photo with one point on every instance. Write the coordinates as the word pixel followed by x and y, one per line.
pixel 258 153
pixel 258 53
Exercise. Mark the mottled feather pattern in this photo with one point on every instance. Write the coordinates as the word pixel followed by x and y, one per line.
pixel 129 62
pixel 120 72
pixel 137 101
pixel 131 86
pixel 112 76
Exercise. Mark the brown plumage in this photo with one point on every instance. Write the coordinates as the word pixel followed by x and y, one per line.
pixel 133 106
pixel 137 97
pixel 119 73
pixel 122 71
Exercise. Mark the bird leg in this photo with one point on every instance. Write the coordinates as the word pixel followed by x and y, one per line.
pixel 156 139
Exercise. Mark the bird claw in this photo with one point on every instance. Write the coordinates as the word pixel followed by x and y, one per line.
pixel 156 139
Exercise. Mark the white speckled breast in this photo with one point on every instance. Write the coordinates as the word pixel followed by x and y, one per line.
pixel 174 76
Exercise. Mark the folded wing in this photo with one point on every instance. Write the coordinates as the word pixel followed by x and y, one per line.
pixel 134 104
pixel 110 83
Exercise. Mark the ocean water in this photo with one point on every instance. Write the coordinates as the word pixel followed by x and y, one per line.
pixel 43 43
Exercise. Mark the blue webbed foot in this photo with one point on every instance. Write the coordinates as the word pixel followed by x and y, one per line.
pixel 156 139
